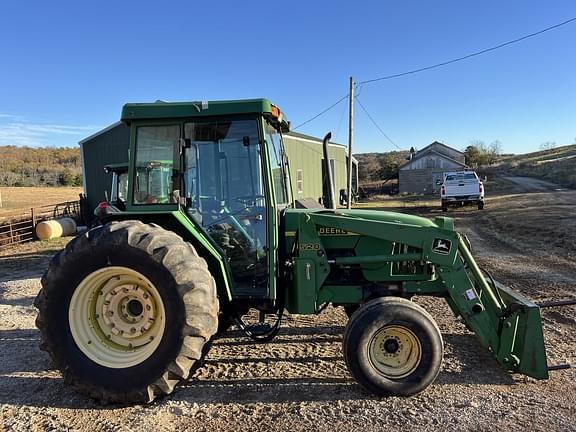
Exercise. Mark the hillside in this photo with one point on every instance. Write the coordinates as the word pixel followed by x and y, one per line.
pixel 42 166
pixel 556 165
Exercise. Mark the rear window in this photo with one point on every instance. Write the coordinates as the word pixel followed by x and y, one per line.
pixel 461 176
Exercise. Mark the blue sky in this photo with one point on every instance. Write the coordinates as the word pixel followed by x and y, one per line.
pixel 66 68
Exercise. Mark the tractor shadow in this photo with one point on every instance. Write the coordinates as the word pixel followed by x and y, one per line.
pixel 27 377
pixel 465 363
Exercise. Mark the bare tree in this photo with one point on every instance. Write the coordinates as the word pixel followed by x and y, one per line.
pixel 548 145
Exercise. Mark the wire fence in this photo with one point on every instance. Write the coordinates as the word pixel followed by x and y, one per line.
pixel 22 230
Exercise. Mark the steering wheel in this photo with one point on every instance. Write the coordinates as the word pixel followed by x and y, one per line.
pixel 249 200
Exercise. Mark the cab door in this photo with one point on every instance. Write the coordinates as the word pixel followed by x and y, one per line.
pixel 225 194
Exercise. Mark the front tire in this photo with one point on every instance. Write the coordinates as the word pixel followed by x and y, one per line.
pixel 393 347
pixel 126 311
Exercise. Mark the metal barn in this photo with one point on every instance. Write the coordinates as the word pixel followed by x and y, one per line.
pixel 108 146
pixel 305 159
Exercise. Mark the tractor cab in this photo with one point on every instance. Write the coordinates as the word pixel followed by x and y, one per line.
pixel 222 164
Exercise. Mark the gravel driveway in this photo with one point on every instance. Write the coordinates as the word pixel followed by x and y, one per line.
pixel 299 381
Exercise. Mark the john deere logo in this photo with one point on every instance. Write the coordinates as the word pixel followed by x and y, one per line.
pixel 442 246
pixel 331 231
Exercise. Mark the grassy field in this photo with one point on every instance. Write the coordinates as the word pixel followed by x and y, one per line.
pixel 17 201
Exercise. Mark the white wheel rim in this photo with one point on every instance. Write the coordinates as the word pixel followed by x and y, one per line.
pixel 116 317
pixel 395 351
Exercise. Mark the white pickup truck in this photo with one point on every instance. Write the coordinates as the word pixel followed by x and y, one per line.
pixel 462 188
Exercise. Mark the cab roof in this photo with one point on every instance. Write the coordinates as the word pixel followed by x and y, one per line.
pixel 165 110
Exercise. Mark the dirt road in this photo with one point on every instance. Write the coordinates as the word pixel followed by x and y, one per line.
pixel 530 184
pixel 300 382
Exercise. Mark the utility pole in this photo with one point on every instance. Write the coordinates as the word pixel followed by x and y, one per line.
pixel 350 141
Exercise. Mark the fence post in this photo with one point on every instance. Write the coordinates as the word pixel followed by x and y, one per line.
pixel 11 233
pixel 33 222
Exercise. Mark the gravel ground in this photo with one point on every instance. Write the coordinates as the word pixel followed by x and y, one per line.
pixel 300 381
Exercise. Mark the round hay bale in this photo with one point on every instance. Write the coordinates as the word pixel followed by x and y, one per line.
pixel 47 230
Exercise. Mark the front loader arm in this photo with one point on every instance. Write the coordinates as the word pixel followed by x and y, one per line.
pixel 506 323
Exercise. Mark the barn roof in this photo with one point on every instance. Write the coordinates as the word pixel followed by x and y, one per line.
pixel 100 132
pixel 438 143
pixel 429 150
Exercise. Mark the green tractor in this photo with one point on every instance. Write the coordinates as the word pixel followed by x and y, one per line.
pixel 209 232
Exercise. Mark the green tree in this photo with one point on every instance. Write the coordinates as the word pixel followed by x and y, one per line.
pixel 78 180
pixel 66 178
pixel 479 153
pixel 472 155
pixel 389 166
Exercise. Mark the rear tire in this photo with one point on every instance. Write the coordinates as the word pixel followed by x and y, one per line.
pixel 480 205
pixel 393 347
pixel 444 206
pixel 126 311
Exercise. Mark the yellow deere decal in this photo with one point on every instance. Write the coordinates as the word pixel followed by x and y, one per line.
pixel 331 231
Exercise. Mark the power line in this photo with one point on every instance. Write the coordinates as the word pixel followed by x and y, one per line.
pixel 337 134
pixel 376 124
pixel 469 55
pixel 322 112
pixel 434 66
